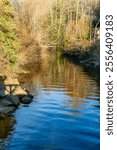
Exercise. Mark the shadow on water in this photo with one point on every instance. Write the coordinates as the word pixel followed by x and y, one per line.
pixel 6 127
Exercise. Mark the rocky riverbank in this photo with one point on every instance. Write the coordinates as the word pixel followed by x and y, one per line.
pixel 89 58
pixel 11 96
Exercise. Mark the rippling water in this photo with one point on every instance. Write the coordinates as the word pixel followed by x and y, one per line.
pixel 64 114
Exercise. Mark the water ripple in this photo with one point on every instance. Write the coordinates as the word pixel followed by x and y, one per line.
pixel 64 114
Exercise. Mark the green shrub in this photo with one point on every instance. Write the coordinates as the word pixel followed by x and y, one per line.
pixel 8 33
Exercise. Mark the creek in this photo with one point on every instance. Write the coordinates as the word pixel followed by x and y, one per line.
pixel 64 114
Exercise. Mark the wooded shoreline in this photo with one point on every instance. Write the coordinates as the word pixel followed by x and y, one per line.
pixel 28 29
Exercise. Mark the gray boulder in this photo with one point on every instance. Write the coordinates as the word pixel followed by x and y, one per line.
pixel 5 102
pixel 26 100
pixel 13 99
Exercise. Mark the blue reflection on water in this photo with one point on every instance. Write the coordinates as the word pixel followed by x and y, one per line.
pixel 63 116
pixel 49 123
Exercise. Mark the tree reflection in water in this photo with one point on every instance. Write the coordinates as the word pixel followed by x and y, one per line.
pixel 57 72
pixel 64 102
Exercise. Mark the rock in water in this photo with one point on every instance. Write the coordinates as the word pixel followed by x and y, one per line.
pixel 26 100
pixel 31 96
pixel 13 99
pixel 5 102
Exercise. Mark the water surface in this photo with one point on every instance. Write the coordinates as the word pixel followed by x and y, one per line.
pixel 65 112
